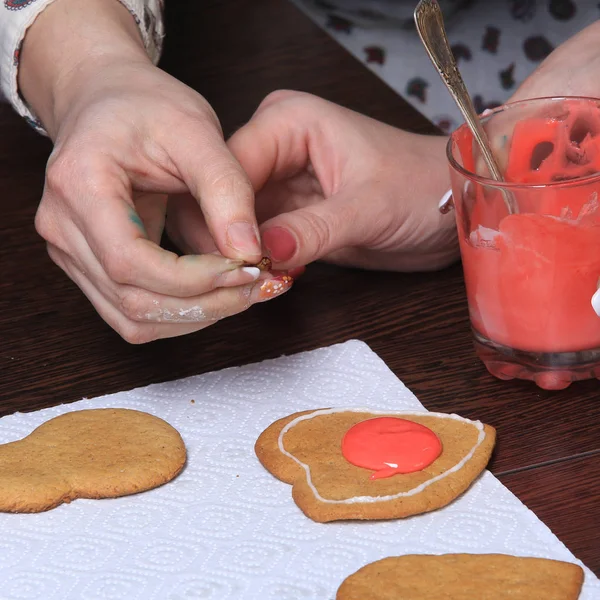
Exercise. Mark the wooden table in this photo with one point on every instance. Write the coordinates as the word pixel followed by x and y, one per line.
pixel 56 349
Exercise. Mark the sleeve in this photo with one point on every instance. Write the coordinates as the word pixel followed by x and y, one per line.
pixel 16 16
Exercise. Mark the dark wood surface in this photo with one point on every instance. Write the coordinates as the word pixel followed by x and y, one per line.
pixel 56 349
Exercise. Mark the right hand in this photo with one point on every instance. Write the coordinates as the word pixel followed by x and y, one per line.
pixel 121 148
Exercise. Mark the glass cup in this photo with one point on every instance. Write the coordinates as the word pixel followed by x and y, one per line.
pixel 530 247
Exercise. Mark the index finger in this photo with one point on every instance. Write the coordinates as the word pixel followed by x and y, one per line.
pixel 220 186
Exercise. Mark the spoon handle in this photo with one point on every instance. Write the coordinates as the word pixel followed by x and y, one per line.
pixel 430 26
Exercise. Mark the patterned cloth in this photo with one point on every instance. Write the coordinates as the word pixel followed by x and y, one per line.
pixel 380 13
pixel 497 44
pixel 16 16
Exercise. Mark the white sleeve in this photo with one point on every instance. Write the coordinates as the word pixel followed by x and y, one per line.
pixel 16 16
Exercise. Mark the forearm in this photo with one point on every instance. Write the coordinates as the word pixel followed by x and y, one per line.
pixel 69 39
pixel 573 69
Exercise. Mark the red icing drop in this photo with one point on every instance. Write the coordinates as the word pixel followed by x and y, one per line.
pixel 389 445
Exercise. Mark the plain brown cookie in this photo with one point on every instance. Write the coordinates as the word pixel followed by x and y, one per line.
pixel 316 442
pixel 463 577
pixel 100 453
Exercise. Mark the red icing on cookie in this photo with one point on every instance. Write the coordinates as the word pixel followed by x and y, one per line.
pixel 389 445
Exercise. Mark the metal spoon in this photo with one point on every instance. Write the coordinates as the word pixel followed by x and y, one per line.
pixel 430 25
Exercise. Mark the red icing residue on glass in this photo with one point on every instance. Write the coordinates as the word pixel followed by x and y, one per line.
pixel 389 445
pixel 545 150
pixel 530 276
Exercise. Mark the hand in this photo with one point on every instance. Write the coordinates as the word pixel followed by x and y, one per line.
pixel 332 184
pixel 570 70
pixel 126 135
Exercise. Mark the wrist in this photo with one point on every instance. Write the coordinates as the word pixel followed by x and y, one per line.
pixel 434 174
pixel 432 184
pixel 447 238
pixel 68 47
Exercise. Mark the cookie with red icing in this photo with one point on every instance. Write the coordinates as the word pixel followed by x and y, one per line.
pixel 350 463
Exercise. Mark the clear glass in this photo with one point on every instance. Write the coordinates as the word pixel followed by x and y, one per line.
pixel 530 276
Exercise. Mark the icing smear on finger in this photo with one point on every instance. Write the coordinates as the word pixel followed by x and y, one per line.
pixel 193 314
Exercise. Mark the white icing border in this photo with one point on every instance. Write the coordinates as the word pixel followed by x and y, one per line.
pixel 416 490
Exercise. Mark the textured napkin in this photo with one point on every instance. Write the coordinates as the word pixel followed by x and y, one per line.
pixel 225 529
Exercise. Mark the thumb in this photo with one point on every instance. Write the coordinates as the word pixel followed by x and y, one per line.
pixel 221 188
pixel 307 234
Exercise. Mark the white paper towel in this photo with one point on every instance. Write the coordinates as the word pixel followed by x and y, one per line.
pixel 225 529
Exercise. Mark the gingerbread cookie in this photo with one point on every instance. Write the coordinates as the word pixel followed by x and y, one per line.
pixel 463 577
pixel 100 453
pixel 347 463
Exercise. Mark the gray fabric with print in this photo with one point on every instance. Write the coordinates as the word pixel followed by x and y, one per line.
pixel 381 13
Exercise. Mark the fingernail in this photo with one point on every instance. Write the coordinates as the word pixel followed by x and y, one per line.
pixel 280 243
pixel 237 277
pixel 243 238
pixel 271 288
pixel 254 272
pixel 596 302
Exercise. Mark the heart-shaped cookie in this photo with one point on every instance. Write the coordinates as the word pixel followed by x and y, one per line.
pixel 99 453
pixel 463 576
pixel 338 472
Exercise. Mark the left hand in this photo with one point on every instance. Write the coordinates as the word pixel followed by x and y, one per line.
pixel 127 134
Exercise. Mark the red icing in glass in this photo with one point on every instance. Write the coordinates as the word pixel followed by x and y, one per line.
pixel 530 276
pixel 389 445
